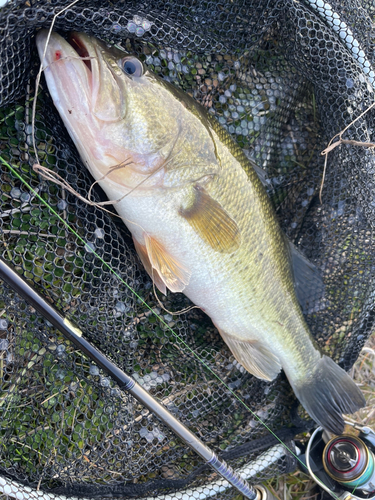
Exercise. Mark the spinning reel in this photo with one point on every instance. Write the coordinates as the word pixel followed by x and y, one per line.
pixel 343 466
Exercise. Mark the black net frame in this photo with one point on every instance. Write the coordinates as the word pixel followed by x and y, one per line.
pixel 283 81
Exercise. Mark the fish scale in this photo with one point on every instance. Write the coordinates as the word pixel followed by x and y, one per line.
pixel 200 218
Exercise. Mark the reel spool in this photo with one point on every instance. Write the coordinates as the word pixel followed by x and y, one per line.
pixel 348 460
pixel 343 466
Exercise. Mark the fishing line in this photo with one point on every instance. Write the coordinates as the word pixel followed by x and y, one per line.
pixel 150 308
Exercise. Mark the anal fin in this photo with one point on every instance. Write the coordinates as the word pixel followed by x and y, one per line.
pixel 254 356
pixel 173 273
pixel 153 273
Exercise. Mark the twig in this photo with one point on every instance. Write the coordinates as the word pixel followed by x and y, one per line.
pixel 7 213
pixel 52 176
pixel 185 391
pixel 15 231
pixel 27 119
pixel 369 416
pixel 332 145
pixel 176 313
pixel 348 141
pixel 24 206
pixel 323 178
pixel 37 82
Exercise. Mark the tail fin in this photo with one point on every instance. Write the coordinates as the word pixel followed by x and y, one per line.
pixel 328 394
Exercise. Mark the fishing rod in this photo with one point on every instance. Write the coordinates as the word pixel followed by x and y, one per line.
pixel 127 383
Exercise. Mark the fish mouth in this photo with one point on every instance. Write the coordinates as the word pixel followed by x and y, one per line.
pixel 85 72
pixel 76 42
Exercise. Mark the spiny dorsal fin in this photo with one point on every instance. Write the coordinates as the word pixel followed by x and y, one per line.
pixel 262 174
pixel 211 221
pixel 173 274
pixel 153 273
pixel 308 282
pixel 254 356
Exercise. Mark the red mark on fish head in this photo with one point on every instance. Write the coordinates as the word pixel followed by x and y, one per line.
pixel 57 55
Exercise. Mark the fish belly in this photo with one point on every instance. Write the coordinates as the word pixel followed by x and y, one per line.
pixel 250 298
pixel 241 292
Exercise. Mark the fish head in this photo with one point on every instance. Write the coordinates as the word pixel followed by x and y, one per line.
pixel 122 118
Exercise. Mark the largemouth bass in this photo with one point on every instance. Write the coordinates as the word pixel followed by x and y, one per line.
pixel 201 221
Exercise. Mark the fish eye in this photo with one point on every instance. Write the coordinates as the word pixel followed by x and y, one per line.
pixel 132 66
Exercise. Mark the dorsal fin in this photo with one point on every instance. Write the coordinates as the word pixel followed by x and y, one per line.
pixel 308 281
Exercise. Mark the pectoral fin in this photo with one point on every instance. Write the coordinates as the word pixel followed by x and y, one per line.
pixel 211 221
pixel 173 273
pixel 254 357
pixel 153 273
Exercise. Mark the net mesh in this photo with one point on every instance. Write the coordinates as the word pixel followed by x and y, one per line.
pixel 283 78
